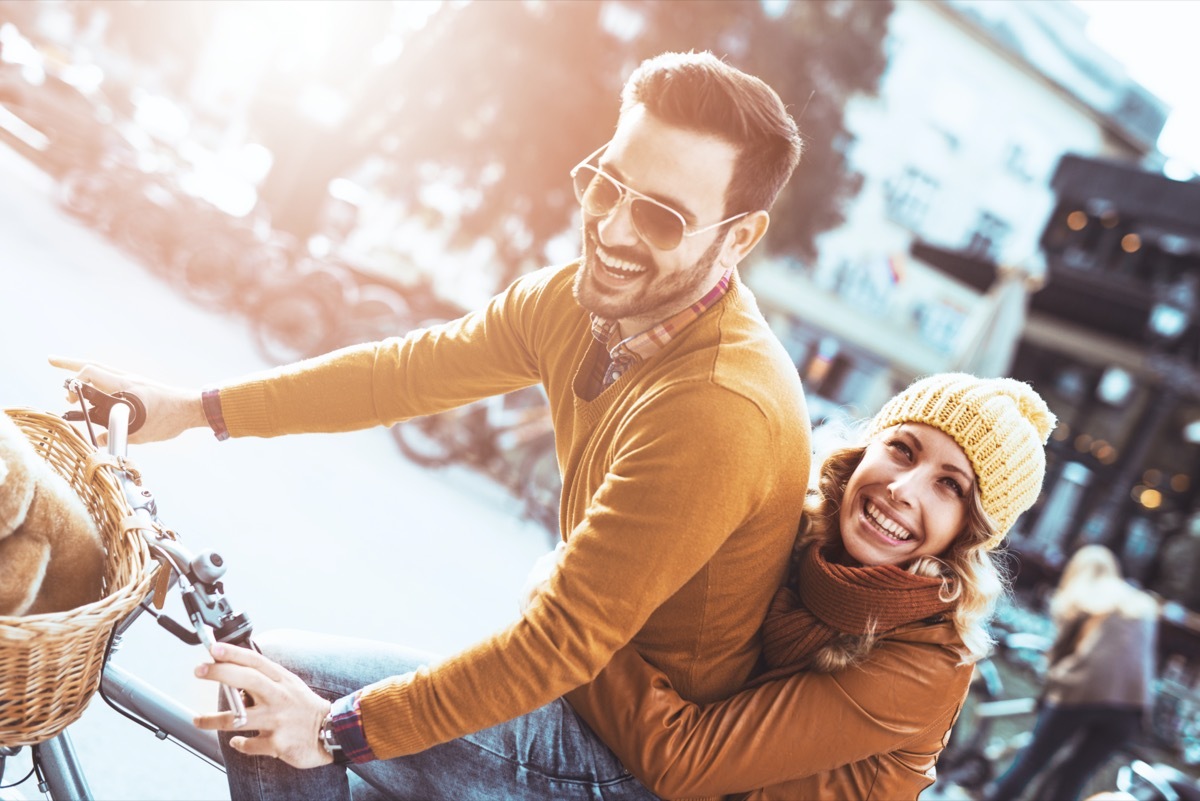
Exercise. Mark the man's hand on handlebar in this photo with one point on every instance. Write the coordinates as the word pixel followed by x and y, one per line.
pixel 286 713
pixel 169 410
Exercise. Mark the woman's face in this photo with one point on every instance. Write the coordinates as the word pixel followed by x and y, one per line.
pixel 907 498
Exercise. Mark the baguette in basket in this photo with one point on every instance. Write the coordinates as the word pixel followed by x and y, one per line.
pixel 51 555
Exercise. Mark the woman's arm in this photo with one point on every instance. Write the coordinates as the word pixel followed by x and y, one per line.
pixel 776 732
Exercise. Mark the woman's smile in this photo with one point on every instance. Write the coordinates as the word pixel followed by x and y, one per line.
pixel 887 526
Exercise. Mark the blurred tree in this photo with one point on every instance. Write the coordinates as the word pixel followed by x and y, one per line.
pixel 498 99
pixel 308 152
pixel 20 13
pixel 167 35
pixel 501 99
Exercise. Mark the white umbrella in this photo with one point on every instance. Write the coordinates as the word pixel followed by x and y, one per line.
pixel 990 334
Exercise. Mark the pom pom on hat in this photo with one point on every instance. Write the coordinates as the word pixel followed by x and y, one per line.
pixel 1001 424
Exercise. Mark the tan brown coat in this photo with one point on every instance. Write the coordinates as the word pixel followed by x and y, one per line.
pixel 870 732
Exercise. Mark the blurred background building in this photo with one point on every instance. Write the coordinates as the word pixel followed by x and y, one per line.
pixel 1014 220
pixel 979 102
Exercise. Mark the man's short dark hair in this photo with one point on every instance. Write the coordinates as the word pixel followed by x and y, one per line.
pixel 700 92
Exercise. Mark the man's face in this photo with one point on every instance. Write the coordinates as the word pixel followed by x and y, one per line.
pixel 627 279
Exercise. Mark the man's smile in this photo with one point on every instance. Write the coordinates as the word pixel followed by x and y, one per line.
pixel 619 269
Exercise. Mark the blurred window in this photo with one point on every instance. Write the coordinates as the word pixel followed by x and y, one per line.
pixel 909 198
pixel 987 240
pixel 938 323
pixel 1017 162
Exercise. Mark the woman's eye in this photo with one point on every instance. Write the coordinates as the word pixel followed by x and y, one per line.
pixel 902 447
pixel 954 486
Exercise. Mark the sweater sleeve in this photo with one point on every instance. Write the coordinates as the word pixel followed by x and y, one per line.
pixel 776 732
pixel 484 353
pixel 664 509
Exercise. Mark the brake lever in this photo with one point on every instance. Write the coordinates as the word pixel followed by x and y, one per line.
pixel 101 404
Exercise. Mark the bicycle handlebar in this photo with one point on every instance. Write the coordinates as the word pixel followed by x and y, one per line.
pixel 102 408
pixel 197 576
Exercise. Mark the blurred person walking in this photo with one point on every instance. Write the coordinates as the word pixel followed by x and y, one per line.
pixel 1099 683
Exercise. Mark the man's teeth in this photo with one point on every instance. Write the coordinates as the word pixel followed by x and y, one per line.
pixel 886 523
pixel 619 266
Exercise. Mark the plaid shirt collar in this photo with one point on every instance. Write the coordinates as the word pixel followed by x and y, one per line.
pixel 633 350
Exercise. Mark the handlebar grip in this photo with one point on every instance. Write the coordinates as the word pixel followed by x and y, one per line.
pixel 138 418
pixel 102 404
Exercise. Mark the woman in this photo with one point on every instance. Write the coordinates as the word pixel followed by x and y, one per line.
pixel 1099 681
pixel 868 650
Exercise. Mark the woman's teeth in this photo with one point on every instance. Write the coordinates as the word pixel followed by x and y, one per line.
pixel 890 526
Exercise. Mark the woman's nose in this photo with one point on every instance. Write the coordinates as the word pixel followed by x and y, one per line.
pixel 900 487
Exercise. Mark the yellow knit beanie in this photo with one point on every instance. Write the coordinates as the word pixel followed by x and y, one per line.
pixel 1001 424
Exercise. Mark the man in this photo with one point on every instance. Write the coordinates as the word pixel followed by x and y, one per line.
pixel 680 428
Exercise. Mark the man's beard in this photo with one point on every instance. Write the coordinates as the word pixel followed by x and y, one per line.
pixel 654 297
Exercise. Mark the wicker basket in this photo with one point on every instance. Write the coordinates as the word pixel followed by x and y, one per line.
pixel 50 664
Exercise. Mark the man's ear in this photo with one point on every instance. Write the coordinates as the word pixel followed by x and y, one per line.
pixel 742 236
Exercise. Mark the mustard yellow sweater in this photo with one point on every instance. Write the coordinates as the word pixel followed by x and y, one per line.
pixel 682 488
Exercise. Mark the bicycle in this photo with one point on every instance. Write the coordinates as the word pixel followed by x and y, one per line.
pixel 321 304
pixel 196 577
pixel 1156 781
pixel 994 726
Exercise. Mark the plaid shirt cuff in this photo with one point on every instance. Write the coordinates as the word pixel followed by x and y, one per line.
pixel 211 401
pixel 348 728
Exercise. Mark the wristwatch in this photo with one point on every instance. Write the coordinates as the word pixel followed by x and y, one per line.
pixel 329 741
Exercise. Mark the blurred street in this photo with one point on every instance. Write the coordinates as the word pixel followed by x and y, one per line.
pixel 437 557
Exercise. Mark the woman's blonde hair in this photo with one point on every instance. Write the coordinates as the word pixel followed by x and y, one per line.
pixel 969 571
pixel 1092 584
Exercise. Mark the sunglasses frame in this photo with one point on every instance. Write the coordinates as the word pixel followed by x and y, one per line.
pixel 629 194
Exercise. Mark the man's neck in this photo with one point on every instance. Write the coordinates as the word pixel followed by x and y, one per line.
pixel 631 326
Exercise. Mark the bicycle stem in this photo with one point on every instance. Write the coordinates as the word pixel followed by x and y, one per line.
pixel 197 577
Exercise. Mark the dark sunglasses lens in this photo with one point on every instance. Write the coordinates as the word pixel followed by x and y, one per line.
pixel 660 227
pixel 596 193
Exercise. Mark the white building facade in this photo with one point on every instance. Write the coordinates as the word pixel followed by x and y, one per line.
pixel 978 103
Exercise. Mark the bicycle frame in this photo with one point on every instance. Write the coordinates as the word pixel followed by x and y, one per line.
pixel 970 758
pixel 61 769
pixel 196 578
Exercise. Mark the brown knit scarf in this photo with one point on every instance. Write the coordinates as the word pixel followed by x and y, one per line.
pixel 834 600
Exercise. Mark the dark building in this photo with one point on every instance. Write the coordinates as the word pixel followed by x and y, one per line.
pixel 1112 342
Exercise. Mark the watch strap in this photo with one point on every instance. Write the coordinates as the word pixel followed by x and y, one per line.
pixel 329 741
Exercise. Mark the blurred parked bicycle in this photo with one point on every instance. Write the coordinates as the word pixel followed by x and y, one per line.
pixel 995 723
pixel 510 437
pixel 1156 781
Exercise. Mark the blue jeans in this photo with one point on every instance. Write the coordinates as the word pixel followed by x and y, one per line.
pixel 549 753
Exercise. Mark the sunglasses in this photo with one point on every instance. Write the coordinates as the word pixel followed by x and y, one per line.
pixel 656 223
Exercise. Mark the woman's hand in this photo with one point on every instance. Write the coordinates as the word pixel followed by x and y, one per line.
pixel 286 713
pixel 169 410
